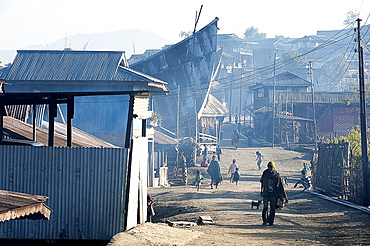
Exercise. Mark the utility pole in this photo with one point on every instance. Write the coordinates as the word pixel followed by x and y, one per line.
pixel 313 107
pixel 241 89
pixel 231 89
pixel 196 121
pixel 365 167
pixel 273 104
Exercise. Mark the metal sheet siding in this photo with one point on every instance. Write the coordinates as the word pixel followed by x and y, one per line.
pixel 85 187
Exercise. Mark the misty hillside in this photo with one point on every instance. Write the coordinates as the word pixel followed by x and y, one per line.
pixel 124 40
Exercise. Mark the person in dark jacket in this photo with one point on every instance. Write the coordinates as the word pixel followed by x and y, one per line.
pixel 272 189
pixel 150 209
pixel 214 170
pixel 236 176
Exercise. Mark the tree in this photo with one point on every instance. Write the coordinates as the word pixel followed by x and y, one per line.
pixel 354 139
pixel 357 96
pixel 293 60
pixel 252 33
pixel 351 18
pixel 185 34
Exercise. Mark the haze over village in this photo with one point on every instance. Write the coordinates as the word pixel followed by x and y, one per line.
pixel 181 123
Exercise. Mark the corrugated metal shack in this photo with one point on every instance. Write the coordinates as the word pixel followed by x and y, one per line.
pixel 93 192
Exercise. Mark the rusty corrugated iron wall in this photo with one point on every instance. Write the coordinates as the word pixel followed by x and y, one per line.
pixel 85 186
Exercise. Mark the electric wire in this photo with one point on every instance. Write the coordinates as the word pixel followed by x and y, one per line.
pixel 236 80
pixel 267 69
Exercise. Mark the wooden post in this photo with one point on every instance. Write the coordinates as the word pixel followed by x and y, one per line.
pixel 231 90
pixel 129 121
pixel 2 113
pixel 313 108
pixel 34 123
pixel 143 127
pixel 52 115
pixel 70 116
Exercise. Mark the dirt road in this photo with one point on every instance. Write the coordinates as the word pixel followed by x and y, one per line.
pixel 305 220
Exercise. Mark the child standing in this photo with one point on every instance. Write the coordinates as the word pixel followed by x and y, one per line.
pixel 236 176
pixel 198 180
pixel 232 169
pixel 259 159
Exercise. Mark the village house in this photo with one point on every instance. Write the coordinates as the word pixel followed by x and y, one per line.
pixel 93 192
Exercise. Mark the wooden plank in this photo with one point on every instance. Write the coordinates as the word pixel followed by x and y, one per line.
pixel 180 223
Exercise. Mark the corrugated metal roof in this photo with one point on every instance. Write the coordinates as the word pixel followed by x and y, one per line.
pixel 64 65
pixel 283 79
pixel 162 138
pixel 15 205
pixel 229 37
pixel 214 108
pixel 4 71
pixel 61 70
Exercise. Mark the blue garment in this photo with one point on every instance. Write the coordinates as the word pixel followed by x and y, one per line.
pixel 218 151
pixel 304 170
pixel 236 176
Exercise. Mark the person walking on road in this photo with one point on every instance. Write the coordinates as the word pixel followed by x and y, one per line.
pixel 205 152
pixel 214 170
pixel 272 189
pixel 235 138
pixel 218 152
pixel 259 159
pixel 232 169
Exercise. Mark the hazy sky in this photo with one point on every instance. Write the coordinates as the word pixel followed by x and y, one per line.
pixel 27 22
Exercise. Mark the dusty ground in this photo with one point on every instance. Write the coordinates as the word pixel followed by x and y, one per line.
pixel 306 220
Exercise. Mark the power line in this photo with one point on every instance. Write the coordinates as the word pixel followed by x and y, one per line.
pixel 338 37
